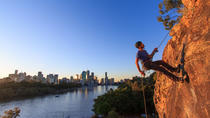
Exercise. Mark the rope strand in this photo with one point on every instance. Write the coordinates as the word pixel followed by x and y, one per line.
pixel 145 105
pixel 163 40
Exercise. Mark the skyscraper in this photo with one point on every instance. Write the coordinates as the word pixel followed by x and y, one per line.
pixel 106 79
pixel 92 75
pixel 16 72
pixel 71 79
pixel 56 79
pixel 83 76
pixel 40 75
pixel 77 76
pixel 88 74
pixel 112 81
pixel 102 81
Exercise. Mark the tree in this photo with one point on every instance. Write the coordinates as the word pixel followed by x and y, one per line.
pixel 170 12
pixel 127 99
pixel 113 114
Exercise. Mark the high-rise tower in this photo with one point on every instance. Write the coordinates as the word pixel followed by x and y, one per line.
pixel 106 79
pixel 88 74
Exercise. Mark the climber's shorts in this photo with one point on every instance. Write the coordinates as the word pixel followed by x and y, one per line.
pixel 146 64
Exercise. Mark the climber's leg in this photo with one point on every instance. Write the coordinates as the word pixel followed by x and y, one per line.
pixel 166 65
pixel 157 67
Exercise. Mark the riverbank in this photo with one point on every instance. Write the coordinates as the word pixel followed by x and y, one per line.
pixel 14 91
pixel 78 103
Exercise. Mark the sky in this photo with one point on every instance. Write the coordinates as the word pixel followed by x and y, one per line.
pixel 66 37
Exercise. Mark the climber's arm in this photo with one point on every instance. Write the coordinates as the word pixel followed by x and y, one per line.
pixel 137 65
pixel 153 53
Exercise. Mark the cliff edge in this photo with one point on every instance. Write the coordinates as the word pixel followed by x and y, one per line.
pixel 187 100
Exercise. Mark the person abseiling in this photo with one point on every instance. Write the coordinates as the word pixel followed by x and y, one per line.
pixel 159 65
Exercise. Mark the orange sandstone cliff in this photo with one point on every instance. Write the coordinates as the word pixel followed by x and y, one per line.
pixel 187 100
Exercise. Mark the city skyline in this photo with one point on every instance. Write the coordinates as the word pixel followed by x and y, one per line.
pixel 76 76
pixel 70 36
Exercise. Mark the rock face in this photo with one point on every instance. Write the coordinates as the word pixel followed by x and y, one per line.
pixel 187 100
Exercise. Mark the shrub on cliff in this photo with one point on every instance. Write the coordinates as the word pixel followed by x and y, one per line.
pixel 170 12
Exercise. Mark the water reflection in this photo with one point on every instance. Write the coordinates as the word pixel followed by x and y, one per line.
pixel 75 104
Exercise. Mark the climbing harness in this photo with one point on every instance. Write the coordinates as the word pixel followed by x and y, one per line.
pixel 145 105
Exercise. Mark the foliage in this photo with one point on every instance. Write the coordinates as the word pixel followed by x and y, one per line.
pixel 170 12
pixel 12 90
pixel 127 99
pixel 11 113
pixel 112 114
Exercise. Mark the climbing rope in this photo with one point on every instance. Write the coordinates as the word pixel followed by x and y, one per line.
pixel 163 40
pixel 145 105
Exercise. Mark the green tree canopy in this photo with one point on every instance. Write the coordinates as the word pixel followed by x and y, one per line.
pixel 127 99
pixel 170 12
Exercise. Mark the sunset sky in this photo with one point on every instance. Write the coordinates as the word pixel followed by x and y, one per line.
pixel 66 37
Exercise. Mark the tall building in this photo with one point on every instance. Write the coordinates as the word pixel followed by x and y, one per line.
pixel 87 74
pixel 95 80
pixel 52 79
pixel 102 81
pixel 92 75
pixel 16 72
pixel 18 77
pixel 77 76
pixel 14 76
pixel 83 76
pixel 64 80
pixel 40 75
pixel 21 76
pixel 106 79
pixel 56 79
pixel 71 79
pixel 112 81
pixel 40 78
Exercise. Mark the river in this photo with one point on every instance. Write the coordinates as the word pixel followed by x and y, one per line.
pixel 75 104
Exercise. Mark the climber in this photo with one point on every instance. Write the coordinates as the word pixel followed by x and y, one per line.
pixel 159 65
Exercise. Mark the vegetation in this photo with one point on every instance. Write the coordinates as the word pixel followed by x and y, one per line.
pixel 127 99
pixel 170 12
pixel 11 90
pixel 11 113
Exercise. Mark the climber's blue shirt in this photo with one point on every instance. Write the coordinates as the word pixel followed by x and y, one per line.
pixel 142 55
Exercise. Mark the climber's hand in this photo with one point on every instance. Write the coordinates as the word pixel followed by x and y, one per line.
pixel 142 73
pixel 156 50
